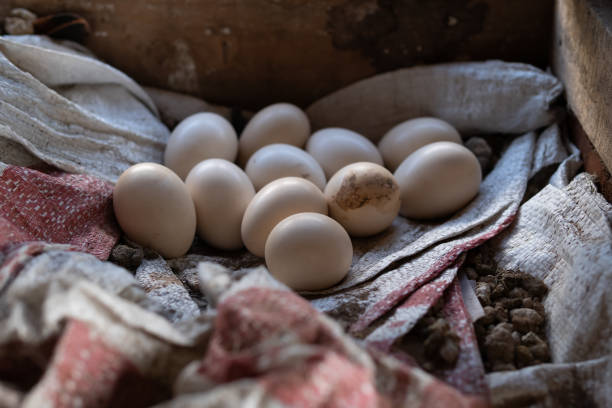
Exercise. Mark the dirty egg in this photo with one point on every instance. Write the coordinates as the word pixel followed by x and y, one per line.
pixel 154 209
pixel 221 192
pixel 274 202
pixel 308 251
pixel 437 180
pixel 282 160
pixel 403 139
pixel 278 123
pixel 335 148
pixel 364 198
pixel 198 137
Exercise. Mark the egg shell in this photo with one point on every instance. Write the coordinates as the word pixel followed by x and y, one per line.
pixel 198 137
pixel 278 123
pixel 335 148
pixel 279 160
pixel 273 203
pixel 437 180
pixel 364 198
pixel 221 192
pixel 309 251
pixel 154 209
pixel 405 138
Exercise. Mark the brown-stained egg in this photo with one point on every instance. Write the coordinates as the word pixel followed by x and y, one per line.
pixel 364 198
pixel 154 209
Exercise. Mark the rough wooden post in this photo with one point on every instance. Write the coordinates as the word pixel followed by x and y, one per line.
pixel 582 58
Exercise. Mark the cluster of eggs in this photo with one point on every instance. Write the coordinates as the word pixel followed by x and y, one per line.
pixel 297 208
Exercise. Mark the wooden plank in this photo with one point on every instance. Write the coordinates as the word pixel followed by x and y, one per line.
pixel 582 56
pixel 253 52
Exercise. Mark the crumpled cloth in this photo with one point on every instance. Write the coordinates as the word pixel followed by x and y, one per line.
pixel 563 235
pixel 56 207
pixel 69 110
pixel 262 344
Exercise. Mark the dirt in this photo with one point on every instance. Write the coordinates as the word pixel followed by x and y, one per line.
pixel 511 334
pixel 372 189
pixel 432 343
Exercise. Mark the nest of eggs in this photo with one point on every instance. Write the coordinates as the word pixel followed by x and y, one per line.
pixel 297 208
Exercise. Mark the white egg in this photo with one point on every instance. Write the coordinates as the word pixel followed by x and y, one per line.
pixel 274 202
pixel 335 148
pixel 309 251
pixel 154 209
pixel 199 137
pixel 282 160
pixel 278 123
pixel 364 198
pixel 405 138
pixel 221 192
pixel 437 180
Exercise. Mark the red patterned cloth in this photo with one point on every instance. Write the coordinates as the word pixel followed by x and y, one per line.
pixel 57 207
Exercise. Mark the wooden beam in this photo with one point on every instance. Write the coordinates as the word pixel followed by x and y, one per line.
pixel 250 53
pixel 582 59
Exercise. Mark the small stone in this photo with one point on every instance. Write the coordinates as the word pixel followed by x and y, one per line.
pixel 523 356
pixel 489 316
pixel 525 320
pixel 534 286
pixel 498 291
pixel 483 293
pixel 517 337
pixel 531 339
pixel 540 352
pixel 528 303
pixel 449 352
pixel 490 279
pixel 499 344
pixel 511 279
pixel 537 346
pixel 471 273
pixel 512 303
pixel 482 264
pixel 126 256
pixel 518 293
pixel 501 314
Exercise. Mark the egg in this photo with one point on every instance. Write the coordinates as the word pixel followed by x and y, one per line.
pixel 309 251
pixel 274 202
pixel 364 198
pixel 437 180
pixel 278 123
pixel 335 148
pixel 221 192
pixel 154 209
pixel 199 137
pixel 282 160
pixel 403 139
